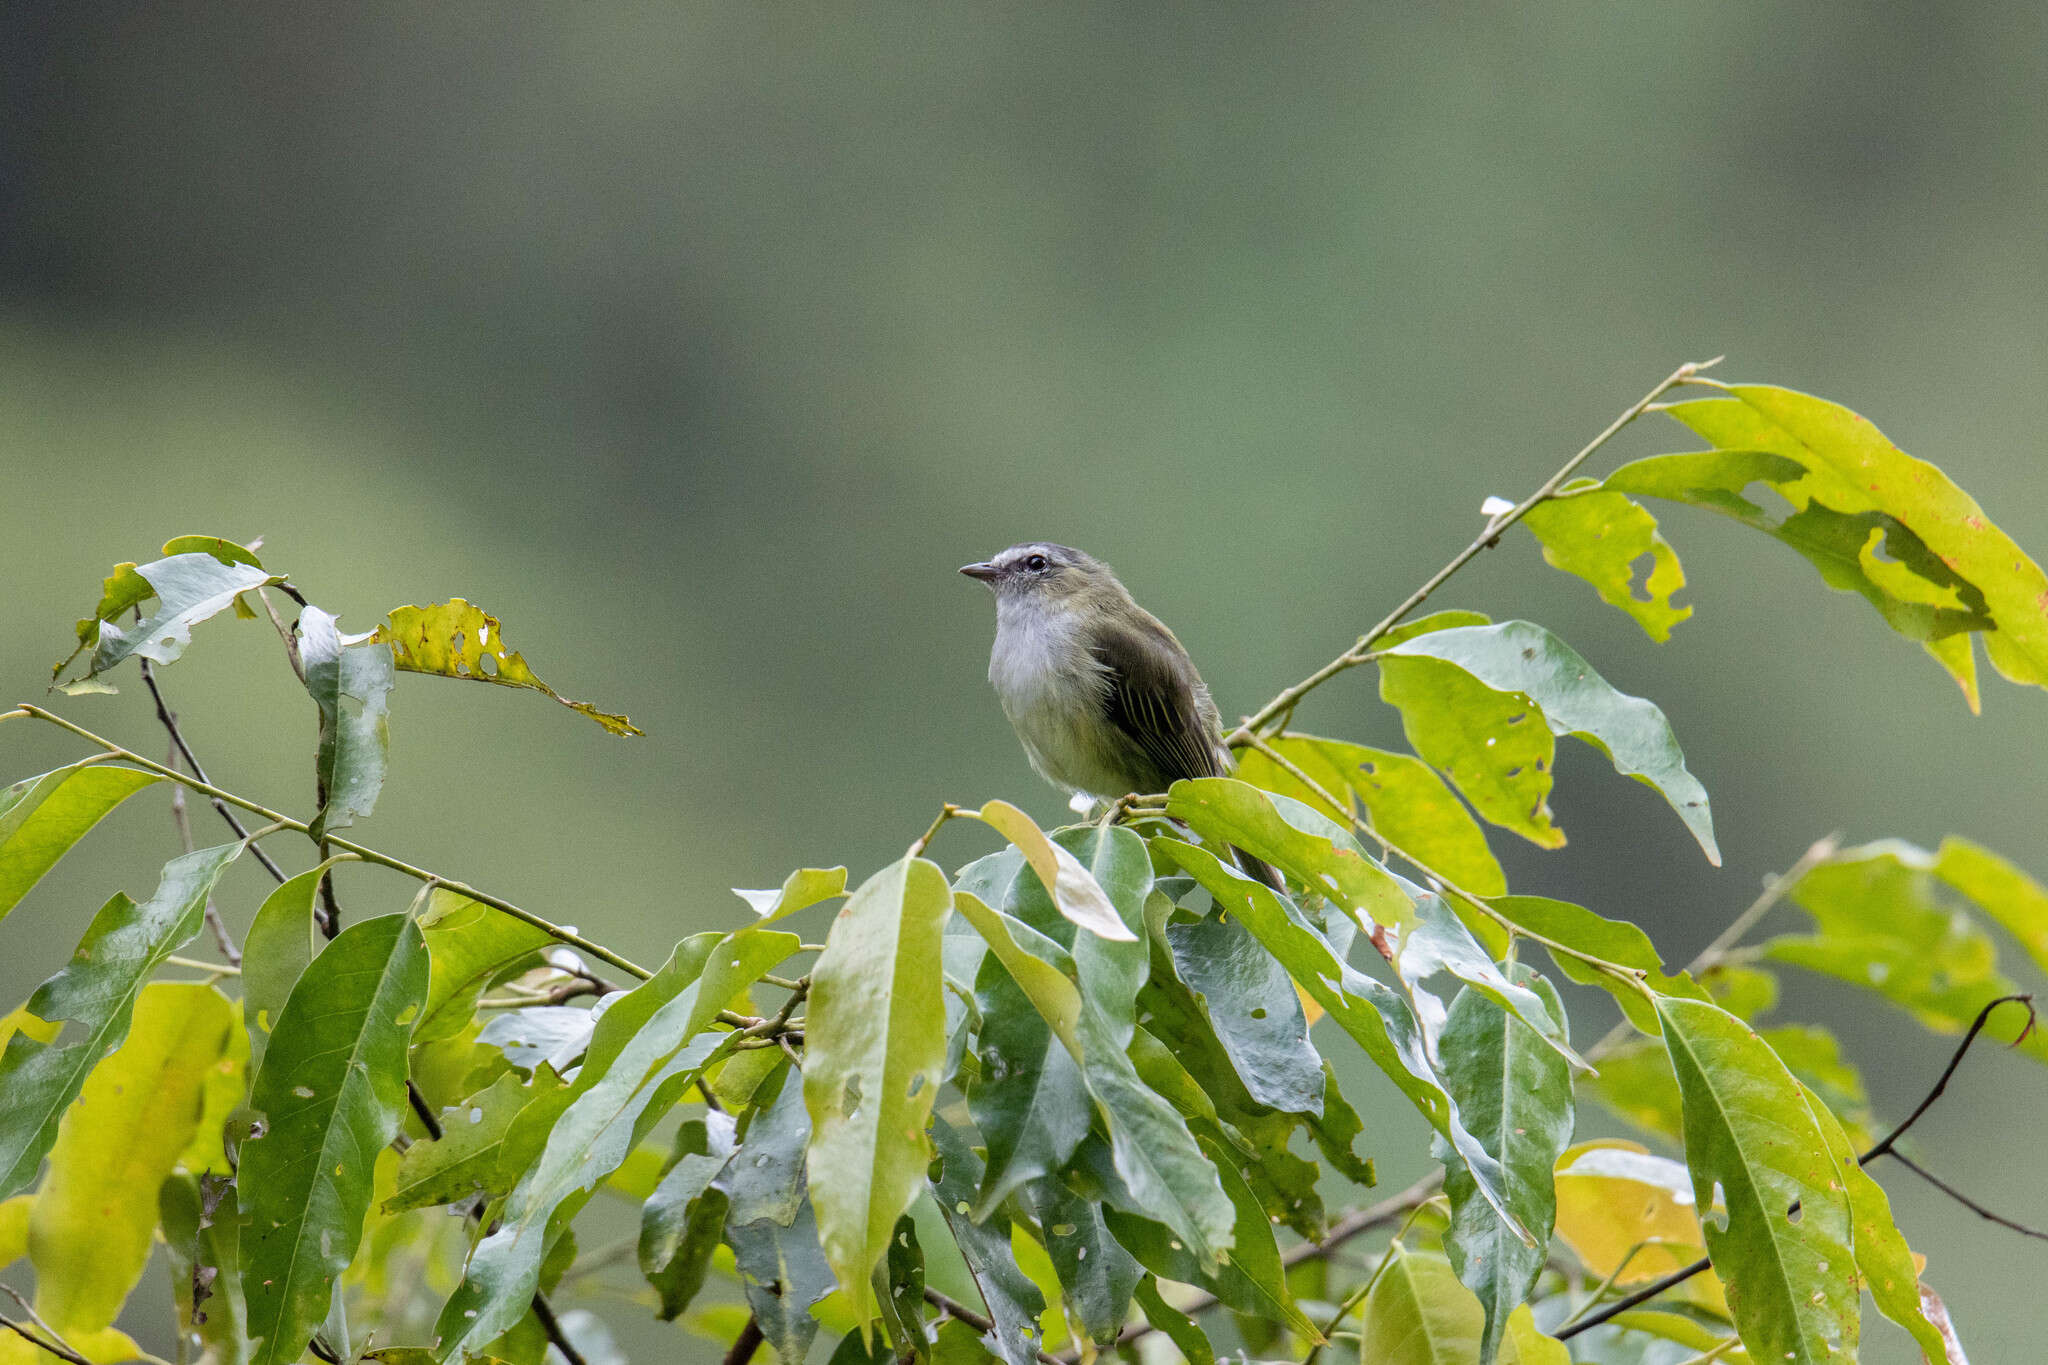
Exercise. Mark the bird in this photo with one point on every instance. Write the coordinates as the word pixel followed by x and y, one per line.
pixel 1103 697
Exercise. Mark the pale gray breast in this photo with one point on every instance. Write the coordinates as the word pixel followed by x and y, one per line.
pixel 1051 687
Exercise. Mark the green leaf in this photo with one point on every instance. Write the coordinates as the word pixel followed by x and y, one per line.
pixel 1180 1329
pixel 471 945
pixel 783 1272
pixel 1628 1214
pixel 2008 896
pixel 1601 536
pixel 1295 838
pixel 1013 1302
pixel 1154 1154
pixel 1481 739
pixel 1882 922
pixel 455 639
pixel 1404 798
pixel 1941 553
pixel 684 1218
pixel 1616 941
pixel 767 1179
pixel 332 1090
pixel 42 817
pixel 899 1287
pixel 1439 942
pixel 1030 1101
pixel 1097 1276
pixel 1418 1314
pixel 1078 895
pixel 1374 1016
pixel 1519 659
pixel 1749 1130
pixel 189 588
pixel 1251 1279
pixel 464 1161
pixel 281 942
pixel 799 891
pixel 122 948
pixel 351 684
pixel 1883 1259
pixel 1250 1003
pixel 89 1236
pixel 649 1047
pixel 875 1047
pixel 556 1034
pixel 1514 1091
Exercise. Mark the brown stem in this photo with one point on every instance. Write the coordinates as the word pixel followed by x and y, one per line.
pixel 552 1325
pixel 170 723
pixel 746 1343
pixel 980 1322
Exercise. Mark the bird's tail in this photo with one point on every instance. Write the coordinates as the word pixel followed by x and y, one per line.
pixel 1261 871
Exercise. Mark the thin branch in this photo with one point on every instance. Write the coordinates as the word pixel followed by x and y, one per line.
pixel 1883 1148
pixel 980 1322
pixel 284 632
pixel 924 841
pixel 362 851
pixel 1775 890
pixel 552 1325
pixel 170 723
pixel 746 1343
pixel 423 1111
pixel 1972 1205
pixel 54 1344
pixel 1354 656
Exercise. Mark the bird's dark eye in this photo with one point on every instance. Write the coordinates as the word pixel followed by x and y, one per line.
pixel 1035 563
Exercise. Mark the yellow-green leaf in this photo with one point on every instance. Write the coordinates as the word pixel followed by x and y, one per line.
pixel 455 639
pixel 90 1234
pixel 1074 889
pixel 1600 536
pixel 874 1056
pixel 42 817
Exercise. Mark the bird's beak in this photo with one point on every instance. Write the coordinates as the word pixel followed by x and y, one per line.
pixel 985 572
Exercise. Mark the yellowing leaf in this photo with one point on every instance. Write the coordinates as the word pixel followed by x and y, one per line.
pixel 1614 1198
pixel 455 639
pixel 1075 891
pixel 90 1234
pixel 1599 536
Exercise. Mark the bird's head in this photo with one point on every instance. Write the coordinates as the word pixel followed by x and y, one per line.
pixel 1042 572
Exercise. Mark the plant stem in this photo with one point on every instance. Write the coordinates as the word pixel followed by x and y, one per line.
pixel 1883 1148
pixel 980 1322
pixel 170 723
pixel 362 851
pixel 1355 655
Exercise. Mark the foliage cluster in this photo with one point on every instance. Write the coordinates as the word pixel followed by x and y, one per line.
pixel 1069 1100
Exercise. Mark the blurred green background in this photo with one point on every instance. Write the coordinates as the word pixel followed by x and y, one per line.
pixel 702 343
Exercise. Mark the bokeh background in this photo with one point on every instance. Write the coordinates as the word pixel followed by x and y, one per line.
pixel 702 343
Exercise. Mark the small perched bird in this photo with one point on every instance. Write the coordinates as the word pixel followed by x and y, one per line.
pixel 1103 697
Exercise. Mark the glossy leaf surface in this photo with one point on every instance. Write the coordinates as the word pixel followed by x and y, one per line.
pixel 96 992
pixel 1520 659
pixel 351 684
pixel 42 817
pixel 332 1091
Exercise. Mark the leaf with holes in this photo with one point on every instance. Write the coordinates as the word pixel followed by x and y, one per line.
pixel 332 1092
pixel 1602 536
pixel 684 1218
pixel 282 940
pixel 1517 659
pixel 464 1162
pixel 783 1272
pixel 1873 520
pixel 1013 1302
pixel 875 1046
pixel 42 817
pixel 189 586
pixel 1750 1133
pixel 455 639
pixel 96 991
pixel 351 684
pixel 1251 1006
pixel 1097 1276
